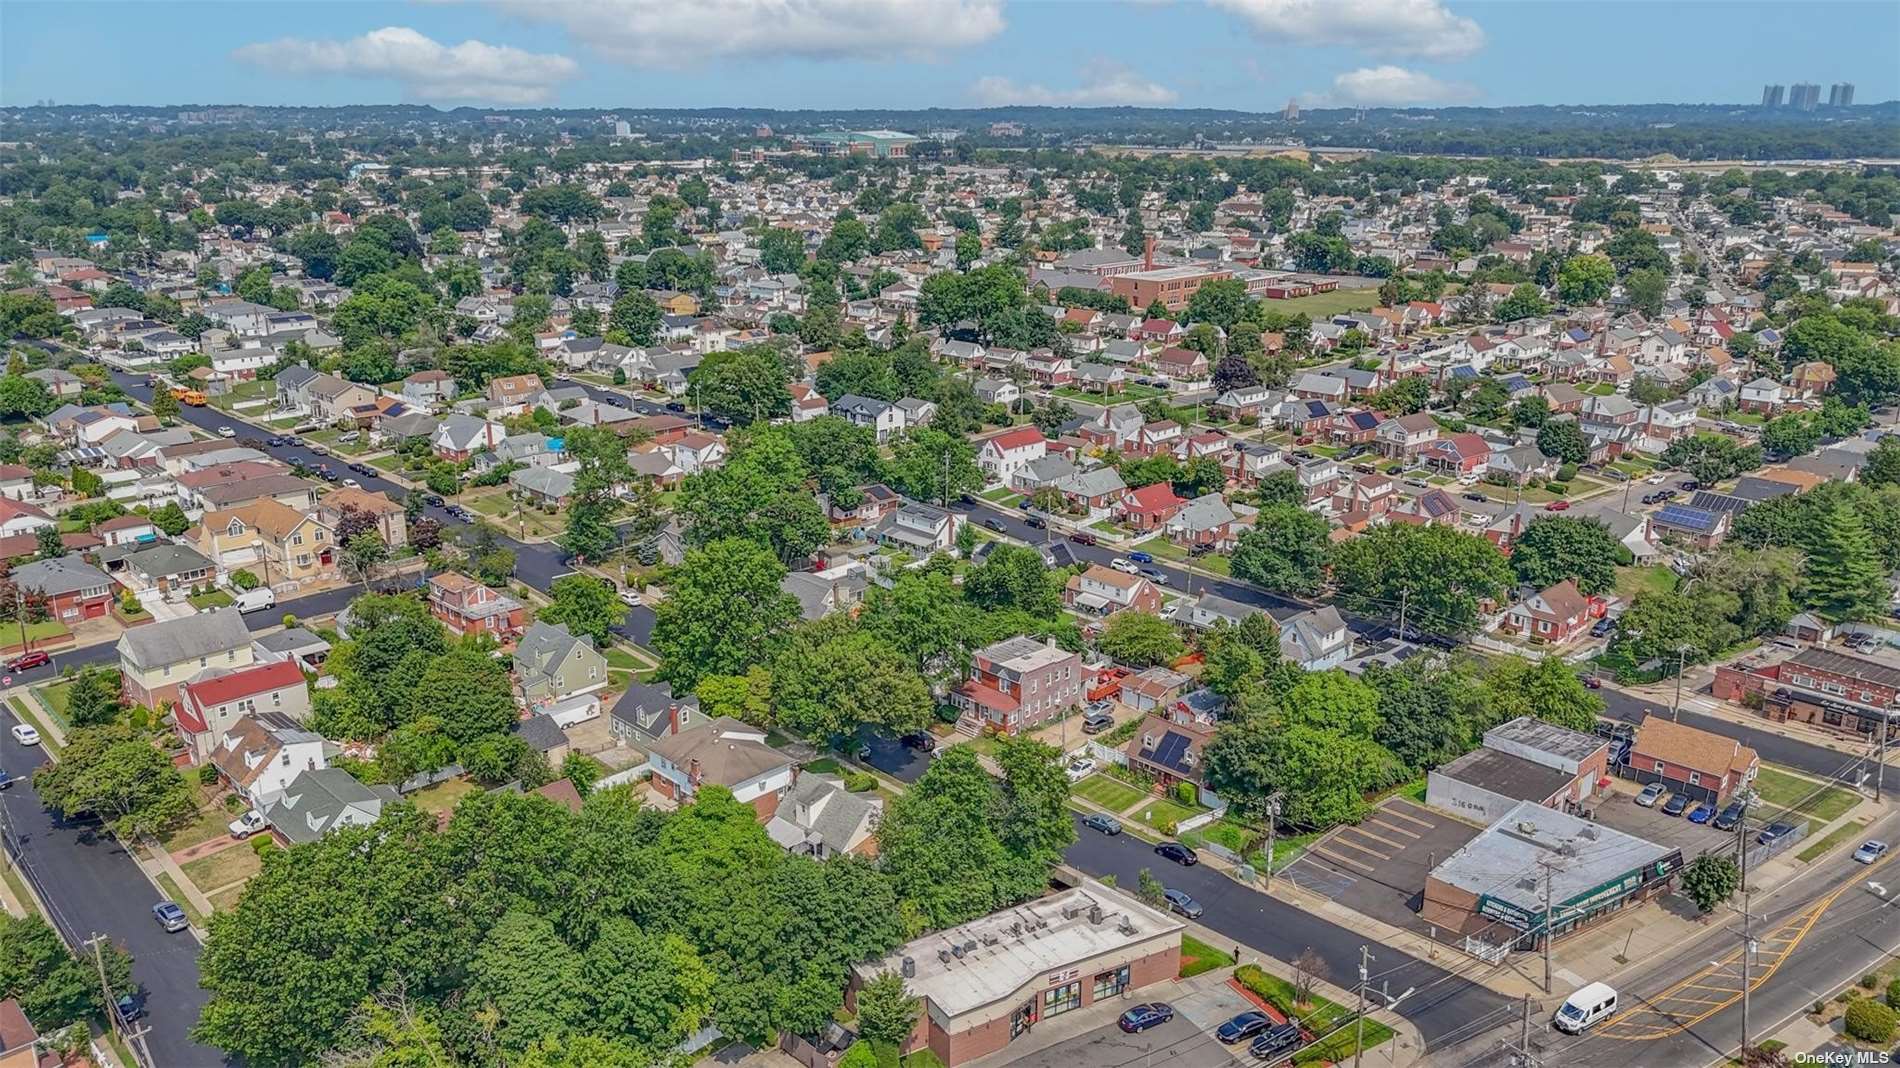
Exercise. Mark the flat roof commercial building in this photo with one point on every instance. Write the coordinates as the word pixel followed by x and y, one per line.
pixel 1493 890
pixel 1172 286
pixel 1524 759
pixel 985 983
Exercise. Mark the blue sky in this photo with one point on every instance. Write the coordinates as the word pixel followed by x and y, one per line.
pixel 1247 54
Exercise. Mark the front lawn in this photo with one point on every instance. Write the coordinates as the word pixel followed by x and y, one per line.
pixel 1161 813
pixel 1850 829
pixel 1197 957
pixel 391 464
pixel 1002 495
pixel 221 869
pixel 1162 549
pixel 1111 794
pixel 1130 393
pixel 1228 835
pixel 258 389
pixel 205 602
pixel 516 518
pixel 212 822
pixel 443 796
pixel 1822 804
pixel 1654 578
pixel 36 633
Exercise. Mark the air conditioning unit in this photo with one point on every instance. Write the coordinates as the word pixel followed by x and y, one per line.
pixel 910 968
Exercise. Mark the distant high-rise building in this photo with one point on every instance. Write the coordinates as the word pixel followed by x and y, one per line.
pixel 623 129
pixel 1771 96
pixel 1804 96
pixel 1291 112
pixel 1840 95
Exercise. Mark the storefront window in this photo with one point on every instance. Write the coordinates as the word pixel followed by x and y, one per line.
pixel 1061 999
pixel 1109 984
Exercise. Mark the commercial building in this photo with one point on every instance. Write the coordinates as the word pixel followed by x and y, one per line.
pixel 986 983
pixel 1840 95
pixel 1689 760
pixel 1493 890
pixel 1525 759
pixel 882 144
pixel 1804 96
pixel 1172 286
pixel 1771 96
pixel 1850 694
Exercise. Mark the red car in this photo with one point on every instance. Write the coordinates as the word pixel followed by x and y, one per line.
pixel 1557 506
pixel 28 661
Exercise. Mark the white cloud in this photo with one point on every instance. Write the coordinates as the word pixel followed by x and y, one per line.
pixel 1422 28
pixel 1390 86
pixel 672 33
pixel 427 68
pixel 1104 84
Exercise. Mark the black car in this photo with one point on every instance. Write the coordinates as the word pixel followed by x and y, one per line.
pixel 1036 522
pixel 1178 853
pixel 364 469
pixel 5 779
pixel 1676 804
pixel 1774 832
pixel 131 1006
pixel 1108 825
pixel 1244 1026
pixel 1730 815
pixel 921 740
pixel 995 524
pixel 1142 1017
pixel 1479 497
pixel 1602 628
pixel 432 499
pixel 277 442
pixel 1276 1042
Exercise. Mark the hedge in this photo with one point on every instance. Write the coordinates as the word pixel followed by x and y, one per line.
pixel 1870 1021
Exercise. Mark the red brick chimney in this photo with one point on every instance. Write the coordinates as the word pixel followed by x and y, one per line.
pixel 1148 254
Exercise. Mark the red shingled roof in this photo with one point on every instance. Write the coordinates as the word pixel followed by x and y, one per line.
pixel 240 684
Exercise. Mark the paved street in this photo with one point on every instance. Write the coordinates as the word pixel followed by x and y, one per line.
pixel 1444 1003
pixel 1774 749
pixel 91 885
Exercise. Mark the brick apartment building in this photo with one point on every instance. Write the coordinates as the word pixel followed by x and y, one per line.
pixel 1016 684
pixel 1850 694
pixel 1172 286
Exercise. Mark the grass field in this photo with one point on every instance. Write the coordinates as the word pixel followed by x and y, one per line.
pixel 44 630
pixel 1655 578
pixel 501 508
pixel 213 822
pixel 223 868
pixel 1159 812
pixel 244 391
pixel 1111 794
pixel 1162 549
pixel 328 439
pixel 443 796
pixel 1130 394
pixel 1780 790
pixel 177 896
pixel 391 463
pixel 226 900
pixel 1197 957
pixel 1850 829
pixel 1326 305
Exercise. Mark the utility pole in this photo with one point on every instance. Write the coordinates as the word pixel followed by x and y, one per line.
pixel 1682 657
pixel 1880 769
pixel 1403 595
pixel 1748 950
pixel 1521 1055
pixel 1549 920
pixel 1273 817
pixel 1359 1043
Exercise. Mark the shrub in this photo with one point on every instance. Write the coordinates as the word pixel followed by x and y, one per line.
pixel 1870 1021
pixel 262 844
pixel 948 713
pixel 1819 1007
pixel 858 782
pixel 208 775
pixel 1185 793
pixel 1869 981
pixel 289 620
pixel 244 580
pixel 1559 488
pixel 1566 472
pixel 1893 994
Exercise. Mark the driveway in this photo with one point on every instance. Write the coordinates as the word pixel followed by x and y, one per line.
pixel 1618 809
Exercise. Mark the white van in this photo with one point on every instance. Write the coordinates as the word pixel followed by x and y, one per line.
pixel 1587 1006
pixel 256 600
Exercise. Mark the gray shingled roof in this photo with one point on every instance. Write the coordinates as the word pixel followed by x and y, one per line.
pixel 205 634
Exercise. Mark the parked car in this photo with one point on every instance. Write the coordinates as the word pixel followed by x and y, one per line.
pixel 1276 1041
pixel 1774 832
pixel 1035 522
pixel 25 734
pixel 1557 506
pixel 1178 853
pixel 1655 479
pixel 28 661
pixel 1479 497
pixel 1108 825
pixel 1651 794
pixel 1243 1027
pixel 1140 557
pixel 922 741
pixel 226 432
pixel 277 442
pixel 1080 768
pixel 1602 628
pixel 1155 576
pixel 247 825
pixel 1082 537
pixel 1676 805
pixel 170 916
pixel 5 779
pixel 1126 567
pixel 995 524
pixel 1097 722
pixel 1591 682
pixel 1144 1016
pixel 1183 902
pixel 350 483
pixel 434 500
pixel 1730 815
pixel 131 1006
pixel 1870 851
pixel 1702 813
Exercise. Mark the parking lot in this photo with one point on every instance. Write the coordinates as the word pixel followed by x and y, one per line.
pixel 1618 809
pixel 1378 866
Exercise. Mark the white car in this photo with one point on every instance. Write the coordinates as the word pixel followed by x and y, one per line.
pixel 25 734
pixel 247 825
pixel 1079 768
pixel 226 432
pixel 1655 480
pixel 630 598
pixel 1124 565
pixel 350 483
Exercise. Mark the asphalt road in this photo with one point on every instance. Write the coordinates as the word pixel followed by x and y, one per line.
pixel 1442 1002
pixel 91 886
pixel 1774 749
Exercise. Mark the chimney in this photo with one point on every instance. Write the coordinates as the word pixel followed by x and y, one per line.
pixel 1148 254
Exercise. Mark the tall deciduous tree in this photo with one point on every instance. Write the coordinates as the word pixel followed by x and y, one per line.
pixel 1141 639
pixel 724 609
pixel 1554 548
pixel 1286 551
pixel 1439 575
pixel 587 605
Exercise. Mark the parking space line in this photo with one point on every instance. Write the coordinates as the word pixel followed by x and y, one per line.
pixel 1340 839
pixel 1342 860
pixel 1392 809
pixel 1376 821
pixel 1382 841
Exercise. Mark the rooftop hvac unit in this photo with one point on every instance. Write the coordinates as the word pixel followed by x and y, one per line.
pixel 970 946
pixel 957 951
pixel 1016 929
pixel 943 955
pixel 1071 911
pixel 989 938
pixel 1095 915
pixel 1526 827
pixel 1589 833
pixel 1127 926
pixel 1528 882
pixel 910 968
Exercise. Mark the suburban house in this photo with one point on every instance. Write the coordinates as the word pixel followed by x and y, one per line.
pixel 1706 766
pixel 722 752
pixel 466 606
pixel 883 417
pixel 819 818
pixel 512 394
pixel 1554 615
pixel 170 569
pixel 1205 520
pixel 208 707
pixel 392 525
pixel 1002 456
pixel 260 755
pixel 1170 749
pixel 19 517
pixel 920 528
pixel 1404 437
pixel 1016 684
pixel 1317 639
pixel 1103 591
pixel 429 389
pixel 1149 507
pixel 73 589
pixel 552 664
pixel 648 712
pixel 460 437
pixel 318 802
pixel 277 544
pixel 155 659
